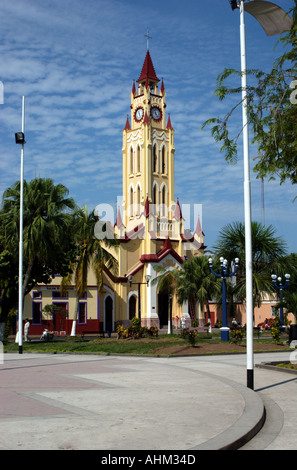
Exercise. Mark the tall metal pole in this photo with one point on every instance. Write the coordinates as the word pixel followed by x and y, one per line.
pixel 20 323
pixel 247 209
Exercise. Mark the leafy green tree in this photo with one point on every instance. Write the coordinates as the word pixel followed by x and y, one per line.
pixel 47 235
pixel 91 253
pixel 272 113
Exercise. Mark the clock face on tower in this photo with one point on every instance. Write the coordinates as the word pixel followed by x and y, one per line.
pixel 138 114
pixel 156 113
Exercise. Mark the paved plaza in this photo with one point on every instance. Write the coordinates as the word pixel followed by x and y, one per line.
pixel 102 402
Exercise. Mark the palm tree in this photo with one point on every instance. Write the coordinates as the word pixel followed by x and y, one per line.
pixel 193 283
pixel 197 284
pixel 268 253
pixel 91 252
pixel 47 215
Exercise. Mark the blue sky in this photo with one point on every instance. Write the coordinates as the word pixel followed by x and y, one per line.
pixel 75 63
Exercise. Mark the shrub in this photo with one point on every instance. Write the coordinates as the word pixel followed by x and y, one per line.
pixel 236 335
pixel 153 331
pixel 275 329
pixel 135 330
pixel 189 335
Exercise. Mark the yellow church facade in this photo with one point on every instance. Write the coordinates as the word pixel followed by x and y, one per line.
pixel 149 227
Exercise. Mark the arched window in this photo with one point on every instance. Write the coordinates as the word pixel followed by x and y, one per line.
pixel 163 160
pixel 155 198
pixel 131 202
pixel 164 200
pixel 138 199
pixel 155 159
pixel 131 161
pixel 138 159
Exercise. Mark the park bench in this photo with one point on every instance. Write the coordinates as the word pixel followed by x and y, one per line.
pixel 101 334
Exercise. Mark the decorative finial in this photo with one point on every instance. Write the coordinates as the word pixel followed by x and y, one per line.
pixel 148 37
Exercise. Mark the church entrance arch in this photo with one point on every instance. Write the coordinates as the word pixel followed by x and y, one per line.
pixel 163 308
pixel 132 307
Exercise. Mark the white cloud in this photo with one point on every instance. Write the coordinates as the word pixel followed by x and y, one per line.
pixel 75 63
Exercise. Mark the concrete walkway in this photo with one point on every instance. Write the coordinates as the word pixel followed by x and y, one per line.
pixel 100 402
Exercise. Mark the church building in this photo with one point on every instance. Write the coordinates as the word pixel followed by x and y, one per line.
pixel 149 226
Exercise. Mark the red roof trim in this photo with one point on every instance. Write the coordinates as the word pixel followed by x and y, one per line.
pixel 177 212
pixel 133 89
pixel 119 221
pixel 127 126
pixel 166 250
pixel 169 126
pixel 148 70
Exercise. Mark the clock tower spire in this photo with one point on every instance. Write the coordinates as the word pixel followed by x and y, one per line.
pixel 148 148
pixel 150 227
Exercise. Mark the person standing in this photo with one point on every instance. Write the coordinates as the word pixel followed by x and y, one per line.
pixel 26 330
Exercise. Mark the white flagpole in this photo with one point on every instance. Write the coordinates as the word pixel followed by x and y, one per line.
pixel 20 323
pixel 247 209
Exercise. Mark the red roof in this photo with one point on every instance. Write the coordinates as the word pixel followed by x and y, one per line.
pixel 177 212
pixel 133 89
pixel 127 126
pixel 119 221
pixel 166 250
pixel 169 126
pixel 148 71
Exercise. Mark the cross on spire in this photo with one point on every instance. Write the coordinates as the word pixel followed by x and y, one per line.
pixel 148 37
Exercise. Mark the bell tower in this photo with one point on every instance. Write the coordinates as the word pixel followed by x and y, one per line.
pixel 148 149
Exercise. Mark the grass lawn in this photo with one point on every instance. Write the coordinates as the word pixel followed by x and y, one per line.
pixel 104 345
pixel 170 344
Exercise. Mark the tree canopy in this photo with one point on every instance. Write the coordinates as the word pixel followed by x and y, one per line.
pixel 48 243
pixel 272 113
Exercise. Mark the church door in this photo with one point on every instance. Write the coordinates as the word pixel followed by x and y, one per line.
pixel 108 314
pixel 132 307
pixel 163 309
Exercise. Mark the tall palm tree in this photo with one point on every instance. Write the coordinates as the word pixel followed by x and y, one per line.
pixel 47 213
pixel 91 252
pixel 197 284
pixel 268 251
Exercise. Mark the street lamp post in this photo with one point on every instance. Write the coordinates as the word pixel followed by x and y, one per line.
pixel 274 20
pixel 280 286
pixel 148 278
pixel 20 139
pixel 223 275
